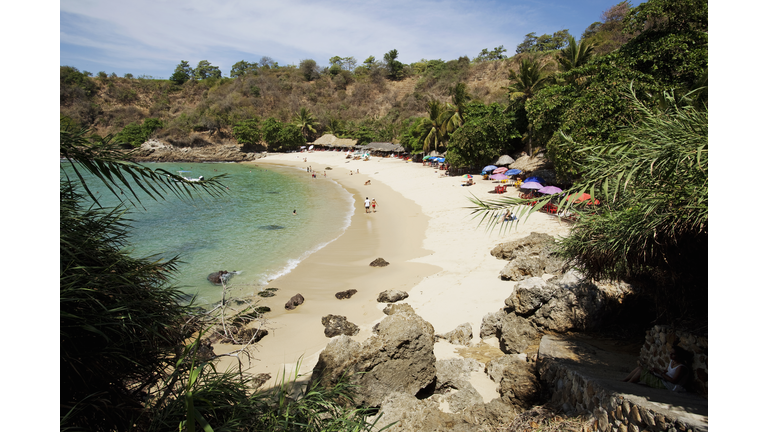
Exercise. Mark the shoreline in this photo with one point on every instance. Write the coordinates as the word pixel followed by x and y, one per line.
pixel 423 228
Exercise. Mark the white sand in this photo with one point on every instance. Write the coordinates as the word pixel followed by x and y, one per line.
pixel 462 281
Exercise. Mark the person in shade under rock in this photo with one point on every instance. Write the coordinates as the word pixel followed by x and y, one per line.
pixel 673 378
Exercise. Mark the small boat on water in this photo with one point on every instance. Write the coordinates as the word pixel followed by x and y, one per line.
pixel 181 173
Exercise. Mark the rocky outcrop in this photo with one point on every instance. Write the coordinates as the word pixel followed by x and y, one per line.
pixel 391 296
pixel 220 276
pixel 338 325
pixel 341 295
pixel 159 151
pixel 399 357
pixel 518 334
pixel 461 335
pixel 379 262
pixel 294 301
pixel 531 256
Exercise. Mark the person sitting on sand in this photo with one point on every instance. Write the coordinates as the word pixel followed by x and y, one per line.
pixel 469 182
pixel 672 379
pixel 508 217
pixel 368 183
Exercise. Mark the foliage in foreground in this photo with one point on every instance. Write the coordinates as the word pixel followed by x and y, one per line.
pixel 652 222
pixel 132 356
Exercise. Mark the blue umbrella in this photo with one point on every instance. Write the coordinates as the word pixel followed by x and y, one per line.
pixel 490 168
pixel 513 171
pixel 534 179
pixel 441 160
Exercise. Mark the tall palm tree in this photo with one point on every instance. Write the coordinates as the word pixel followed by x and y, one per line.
pixel 459 97
pixel 433 127
pixel 574 55
pixel 531 78
pixel 305 121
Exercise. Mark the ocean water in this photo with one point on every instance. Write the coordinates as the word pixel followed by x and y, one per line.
pixel 251 230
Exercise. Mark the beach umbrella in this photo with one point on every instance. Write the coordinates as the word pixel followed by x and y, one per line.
pixel 440 159
pixel 498 177
pixel 490 168
pixel 467 176
pixel 534 179
pixel 531 185
pixel 550 190
pixel 505 160
pixel 584 197
pixel 500 170
pixel 513 171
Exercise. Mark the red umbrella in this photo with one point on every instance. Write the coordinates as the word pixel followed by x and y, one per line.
pixel 585 197
pixel 500 170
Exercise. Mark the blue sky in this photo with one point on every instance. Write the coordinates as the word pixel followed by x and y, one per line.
pixel 151 37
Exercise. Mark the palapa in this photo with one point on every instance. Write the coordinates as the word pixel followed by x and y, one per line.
pixel 325 140
pixel 528 164
pixel 504 160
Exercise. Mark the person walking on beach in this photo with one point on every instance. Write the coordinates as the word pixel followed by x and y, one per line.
pixel 373 204
pixel 367 205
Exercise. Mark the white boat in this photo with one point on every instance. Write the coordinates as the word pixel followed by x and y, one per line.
pixel 181 173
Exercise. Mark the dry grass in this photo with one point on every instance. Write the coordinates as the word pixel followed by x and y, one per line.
pixel 545 419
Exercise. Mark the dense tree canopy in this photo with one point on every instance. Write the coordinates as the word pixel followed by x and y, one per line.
pixel 487 131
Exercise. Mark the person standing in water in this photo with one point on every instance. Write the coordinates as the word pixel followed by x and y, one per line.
pixel 367 205
pixel 373 204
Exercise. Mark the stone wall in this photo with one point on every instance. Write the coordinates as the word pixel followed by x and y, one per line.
pixel 658 344
pixel 613 412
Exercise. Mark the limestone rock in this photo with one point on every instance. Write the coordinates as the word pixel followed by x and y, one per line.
pixel 495 368
pixel 294 301
pixel 391 296
pixel 341 295
pixel 391 309
pixel 454 373
pixel 519 384
pixel 530 256
pixel 534 244
pixel 491 325
pixel 379 262
pixel 461 335
pixel 522 268
pixel 399 357
pixel 528 296
pixel 517 333
pixel 413 415
pixel 337 325
pixel 465 398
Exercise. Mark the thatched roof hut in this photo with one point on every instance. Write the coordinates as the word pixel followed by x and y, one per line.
pixel 528 164
pixel 344 142
pixel 504 160
pixel 384 147
pixel 325 140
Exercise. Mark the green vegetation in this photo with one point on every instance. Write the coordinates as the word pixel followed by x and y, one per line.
pixel 135 134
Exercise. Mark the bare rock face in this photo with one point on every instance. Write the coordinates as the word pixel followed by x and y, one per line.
pixel 519 385
pixel 338 325
pixel 413 415
pixel 495 368
pixel 379 262
pixel 294 301
pixel 517 334
pixel 531 256
pixel 399 357
pixel 491 325
pixel 529 295
pixel 341 295
pixel 391 296
pixel 461 335
pixel 454 373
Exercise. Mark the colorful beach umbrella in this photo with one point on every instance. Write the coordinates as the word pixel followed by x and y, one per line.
pixel 500 170
pixel 498 177
pixel 550 190
pixel 531 185
pixel 585 197
pixel 534 179
pixel 467 176
pixel 490 168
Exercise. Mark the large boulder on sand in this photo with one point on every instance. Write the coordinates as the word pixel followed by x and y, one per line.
pixel 391 296
pixel 338 325
pixel 294 301
pixel 399 357
pixel 530 256
pixel 461 335
pixel 517 334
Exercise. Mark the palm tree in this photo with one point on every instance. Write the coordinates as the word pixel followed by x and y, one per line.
pixel 433 127
pixel 335 126
pixel 574 55
pixel 531 78
pixel 455 117
pixel 305 121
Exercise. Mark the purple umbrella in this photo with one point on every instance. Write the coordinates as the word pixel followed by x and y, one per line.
pixel 530 185
pixel 498 177
pixel 550 190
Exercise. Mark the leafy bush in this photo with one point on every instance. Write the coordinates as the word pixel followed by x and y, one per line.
pixel 136 134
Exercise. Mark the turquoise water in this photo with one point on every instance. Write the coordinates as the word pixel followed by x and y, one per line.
pixel 252 230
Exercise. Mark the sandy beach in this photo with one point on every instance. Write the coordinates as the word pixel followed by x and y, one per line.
pixel 423 228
